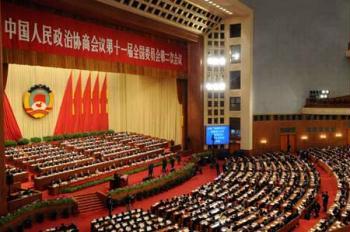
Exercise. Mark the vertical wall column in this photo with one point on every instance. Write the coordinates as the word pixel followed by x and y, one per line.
pixel 3 187
pixel 247 83
pixel 239 57
pixel 194 125
pixel 214 73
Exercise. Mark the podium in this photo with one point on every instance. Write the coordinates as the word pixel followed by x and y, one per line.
pixel 118 182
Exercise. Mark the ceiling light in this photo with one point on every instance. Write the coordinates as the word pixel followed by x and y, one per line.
pixel 218 6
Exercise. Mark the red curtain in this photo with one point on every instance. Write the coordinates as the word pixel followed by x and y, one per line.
pixel 95 106
pixel 86 114
pixel 103 125
pixel 11 128
pixel 65 121
pixel 78 125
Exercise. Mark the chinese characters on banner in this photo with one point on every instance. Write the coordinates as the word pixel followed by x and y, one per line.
pixel 44 32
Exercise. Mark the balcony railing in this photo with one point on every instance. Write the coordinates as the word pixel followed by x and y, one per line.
pixel 337 102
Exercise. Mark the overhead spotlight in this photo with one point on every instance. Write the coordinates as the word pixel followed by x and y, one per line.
pixel 323 136
pixel 304 137
pixel 263 141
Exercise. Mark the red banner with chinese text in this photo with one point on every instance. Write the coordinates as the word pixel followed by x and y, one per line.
pixel 39 31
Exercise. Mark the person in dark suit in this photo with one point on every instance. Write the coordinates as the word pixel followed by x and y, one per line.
pixel 164 164
pixel 129 200
pixel 325 198
pixel 116 179
pixel 317 209
pixel 217 166
pixel 150 170
pixel 172 164
pixel 178 157
pixel 110 205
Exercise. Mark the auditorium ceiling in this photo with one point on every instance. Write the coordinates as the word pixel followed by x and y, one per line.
pixel 182 19
pixel 198 16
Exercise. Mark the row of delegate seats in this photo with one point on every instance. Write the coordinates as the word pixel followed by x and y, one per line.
pixel 337 160
pixel 256 193
pixel 83 173
pixel 83 144
pixel 18 174
pixel 80 159
pixel 133 139
pixel 116 145
pixel 44 157
pixel 134 220
pixel 13 170
pixel 138 140
pixel 63 228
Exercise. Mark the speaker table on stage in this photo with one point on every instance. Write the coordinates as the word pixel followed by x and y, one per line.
pixel 118 181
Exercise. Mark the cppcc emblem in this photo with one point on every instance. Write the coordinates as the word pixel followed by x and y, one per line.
pixel 38 101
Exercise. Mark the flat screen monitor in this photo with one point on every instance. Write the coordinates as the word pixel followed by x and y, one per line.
pixel 217 135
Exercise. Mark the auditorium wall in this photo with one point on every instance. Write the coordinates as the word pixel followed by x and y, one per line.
pixel 267 135
pixel 136 103
pixel 298 46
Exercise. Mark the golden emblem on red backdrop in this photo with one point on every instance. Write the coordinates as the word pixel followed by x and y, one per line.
pixel 38 101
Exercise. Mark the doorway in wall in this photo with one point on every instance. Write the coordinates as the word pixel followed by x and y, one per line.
pixel 288 140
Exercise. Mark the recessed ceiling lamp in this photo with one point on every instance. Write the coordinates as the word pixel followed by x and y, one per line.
pixel 218 6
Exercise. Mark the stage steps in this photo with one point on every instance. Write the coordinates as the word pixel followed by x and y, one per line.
pixel 89 202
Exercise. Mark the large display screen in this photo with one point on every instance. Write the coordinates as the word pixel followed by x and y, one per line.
pixel 217 135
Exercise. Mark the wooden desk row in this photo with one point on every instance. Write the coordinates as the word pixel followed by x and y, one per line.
pixel 58 166
pixel 43 182
pixel 25 200
pixel 57 190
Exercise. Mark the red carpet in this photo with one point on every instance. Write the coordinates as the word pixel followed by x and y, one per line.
pixel 83 220
pixel 328 183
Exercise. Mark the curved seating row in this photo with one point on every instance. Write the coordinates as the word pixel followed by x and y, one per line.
pixel 337 160
pixel 256 193
pixel 134 220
